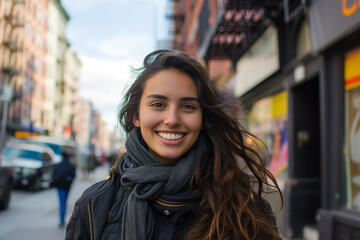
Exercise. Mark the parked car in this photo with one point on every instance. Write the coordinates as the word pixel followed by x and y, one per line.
pixel 6 185
pixel 57 145
pixel 33 164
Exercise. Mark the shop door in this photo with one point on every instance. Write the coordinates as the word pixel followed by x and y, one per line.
pixel 302 190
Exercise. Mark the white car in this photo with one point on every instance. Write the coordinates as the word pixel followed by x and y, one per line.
pixel 56 144
pixel 33 164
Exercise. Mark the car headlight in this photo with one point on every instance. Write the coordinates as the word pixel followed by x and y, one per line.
pixel 29 171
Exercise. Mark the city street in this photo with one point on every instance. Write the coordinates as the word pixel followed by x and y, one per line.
pixel 35 215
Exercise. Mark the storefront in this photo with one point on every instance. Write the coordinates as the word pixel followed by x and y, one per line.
pixel 298 78
pixel 339 216
pixel 308 108
pixel 335 34
pixel 280 90
pixel 352 127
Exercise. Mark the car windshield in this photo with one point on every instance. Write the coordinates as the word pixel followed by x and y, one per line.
pixel 12 153
pixel 55 147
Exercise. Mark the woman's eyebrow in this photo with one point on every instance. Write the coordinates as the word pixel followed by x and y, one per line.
pixel 157 96
pixel 189 99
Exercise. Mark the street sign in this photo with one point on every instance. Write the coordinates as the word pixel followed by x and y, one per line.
pixel 7 93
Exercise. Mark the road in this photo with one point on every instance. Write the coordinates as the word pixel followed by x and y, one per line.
pixel 35 215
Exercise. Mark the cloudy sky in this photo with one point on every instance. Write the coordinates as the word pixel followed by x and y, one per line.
pixel 110 36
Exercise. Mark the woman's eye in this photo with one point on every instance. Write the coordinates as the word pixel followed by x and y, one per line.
pixel 189 107
pixel 158 105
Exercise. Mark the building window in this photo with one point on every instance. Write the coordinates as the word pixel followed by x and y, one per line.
pixel 26 84
pixel 352 127
pixel 40 17
pixel 38 41
pixel 49 27
pixel 4 5
pixel 28 30
pixel 303 45
pixel 38 65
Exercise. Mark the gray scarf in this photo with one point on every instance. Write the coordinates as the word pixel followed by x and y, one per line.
pixel 150 179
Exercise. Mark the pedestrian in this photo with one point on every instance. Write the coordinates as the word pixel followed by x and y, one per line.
pixel 91 164
pixel 63 176
pixel 111 159
pixel 187 173
pixel 102 159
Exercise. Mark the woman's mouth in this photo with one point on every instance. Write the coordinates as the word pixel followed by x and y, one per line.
pixel 171 136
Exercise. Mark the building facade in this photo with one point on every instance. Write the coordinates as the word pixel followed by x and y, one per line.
pixel 40 72
pixel 23 28
pixel 56 13
pixel 34 50
pixel 11 62
pixel 61 48
pixel 69 86
pixel 99 134
pixel 296 72
pixel 81 122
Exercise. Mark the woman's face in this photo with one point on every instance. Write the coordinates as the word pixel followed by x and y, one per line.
pixel 169 115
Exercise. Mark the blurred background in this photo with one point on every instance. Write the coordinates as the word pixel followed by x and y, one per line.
pixel 293 66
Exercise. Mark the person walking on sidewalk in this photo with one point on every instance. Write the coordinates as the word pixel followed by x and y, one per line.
pixel 188 172
pixel 91 164
pixel 63 176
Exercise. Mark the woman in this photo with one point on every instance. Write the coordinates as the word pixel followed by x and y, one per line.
pixel 181 176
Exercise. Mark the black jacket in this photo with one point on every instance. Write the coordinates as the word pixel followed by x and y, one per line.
pixel 98 214
pixel 64 174
pixel 88 221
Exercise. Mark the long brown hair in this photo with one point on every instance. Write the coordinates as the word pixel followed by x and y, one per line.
pixel 231 208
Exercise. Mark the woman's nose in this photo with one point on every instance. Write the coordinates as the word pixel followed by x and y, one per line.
pixel 172 117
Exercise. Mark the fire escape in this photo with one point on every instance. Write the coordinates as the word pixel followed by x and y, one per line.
pixel 11 58
pixel 176 17
pixel 240 25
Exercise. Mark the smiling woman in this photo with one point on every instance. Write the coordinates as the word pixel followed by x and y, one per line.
pixel 169 115
pixel 180 177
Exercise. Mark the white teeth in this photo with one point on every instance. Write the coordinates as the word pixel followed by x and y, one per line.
pixel 170 136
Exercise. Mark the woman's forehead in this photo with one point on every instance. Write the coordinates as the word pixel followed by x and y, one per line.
pixel 170 81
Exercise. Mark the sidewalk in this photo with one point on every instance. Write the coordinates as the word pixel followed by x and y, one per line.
pixel 41 220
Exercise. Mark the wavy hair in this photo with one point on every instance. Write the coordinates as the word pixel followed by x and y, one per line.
pixel 231 207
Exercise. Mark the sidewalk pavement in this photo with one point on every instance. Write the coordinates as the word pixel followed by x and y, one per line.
pixel 41 221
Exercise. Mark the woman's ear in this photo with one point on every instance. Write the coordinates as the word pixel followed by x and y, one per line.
pixel 136 120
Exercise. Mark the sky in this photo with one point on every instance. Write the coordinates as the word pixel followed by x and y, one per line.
pixel 110 37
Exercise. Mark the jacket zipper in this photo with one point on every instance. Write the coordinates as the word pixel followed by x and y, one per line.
pixel 90 222
pixel 89 210
pixel 171 204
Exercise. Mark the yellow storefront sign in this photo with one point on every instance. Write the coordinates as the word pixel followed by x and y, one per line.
pixel 280 105
pixel 352 69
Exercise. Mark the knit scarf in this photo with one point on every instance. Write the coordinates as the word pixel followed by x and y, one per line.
pixel 149 179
